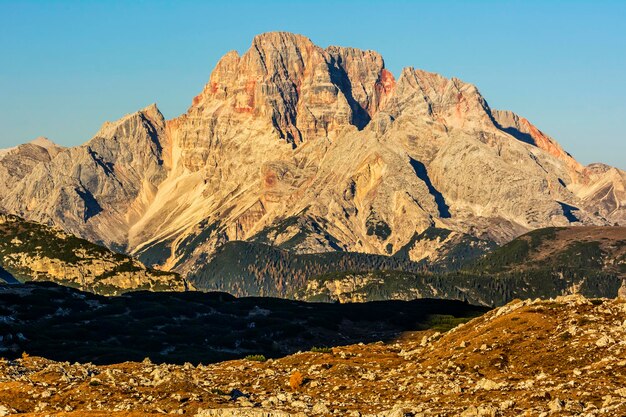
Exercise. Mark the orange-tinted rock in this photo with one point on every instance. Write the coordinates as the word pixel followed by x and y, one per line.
pixel 323 141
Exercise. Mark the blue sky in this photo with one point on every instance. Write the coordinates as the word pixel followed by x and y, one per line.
pixel 66 67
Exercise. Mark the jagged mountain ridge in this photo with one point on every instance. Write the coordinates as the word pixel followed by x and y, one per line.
pixel 98 189
pixel 363 161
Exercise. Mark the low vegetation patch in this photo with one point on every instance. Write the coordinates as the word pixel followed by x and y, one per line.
pixel 322 349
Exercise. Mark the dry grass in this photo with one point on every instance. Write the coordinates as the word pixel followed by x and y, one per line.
pixel 296 380
pixel 524 351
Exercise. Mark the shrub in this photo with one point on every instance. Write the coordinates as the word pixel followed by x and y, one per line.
pixel 296 380
pixel 95 383
pixel 257 358
pixel 322 349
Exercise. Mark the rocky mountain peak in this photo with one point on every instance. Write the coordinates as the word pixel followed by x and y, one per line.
pixel 44 142
pixel 19 161
pixel 287 45
pixel 304 91
pixel 40 144
pixel 447 101
pixel 98 188
pixel 153 113
pixel 318 149
pixel 362 77
pixel 149 114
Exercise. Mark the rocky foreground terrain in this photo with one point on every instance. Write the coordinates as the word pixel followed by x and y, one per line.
pixel 559 357
pixel 64 324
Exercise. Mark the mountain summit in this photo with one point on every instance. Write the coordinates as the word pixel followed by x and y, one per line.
pixel 311 149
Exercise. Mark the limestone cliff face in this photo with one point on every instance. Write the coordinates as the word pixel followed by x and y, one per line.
pixel 521 129
pixel 18 162
pixel 301 90
pixel 322 149
pixel 605 192
pixel 99 189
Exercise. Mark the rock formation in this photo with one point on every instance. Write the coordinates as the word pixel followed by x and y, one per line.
pixel 321 148
pixel 96 190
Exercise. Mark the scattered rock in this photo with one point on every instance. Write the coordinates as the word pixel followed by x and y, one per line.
pixel 556 405
pixel 552 374
pixel 604 341
pixel 320 408
pixel 488 385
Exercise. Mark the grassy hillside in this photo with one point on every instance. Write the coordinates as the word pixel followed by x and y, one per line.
pixel 36 252
pixel 480 289
pixel 262 268
pixel 583 249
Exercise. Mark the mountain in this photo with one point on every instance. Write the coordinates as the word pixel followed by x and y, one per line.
pixel 562 357
pixel 35 252
pixel 544 263
pixel 96 190
pixel 312 150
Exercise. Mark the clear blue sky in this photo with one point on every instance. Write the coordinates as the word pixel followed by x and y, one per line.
pixel 66 67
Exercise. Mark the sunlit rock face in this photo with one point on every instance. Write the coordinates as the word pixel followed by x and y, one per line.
pixel 323 149
pixel 96 190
